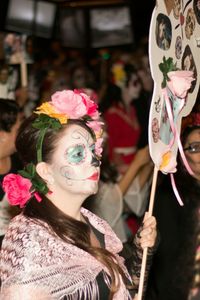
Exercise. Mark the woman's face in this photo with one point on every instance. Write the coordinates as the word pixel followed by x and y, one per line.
pixel 134 87
pixel 192 152
pixel 74 164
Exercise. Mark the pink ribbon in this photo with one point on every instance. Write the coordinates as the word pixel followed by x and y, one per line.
pixel 175 132
pixel 176 190
pixel 180 147
pixel 37 197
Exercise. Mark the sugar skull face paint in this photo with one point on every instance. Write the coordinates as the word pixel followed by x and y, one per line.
pixel 75 165
pixel 77 154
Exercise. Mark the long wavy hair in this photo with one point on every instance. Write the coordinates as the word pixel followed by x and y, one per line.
pixel 189 188
pixel 67 228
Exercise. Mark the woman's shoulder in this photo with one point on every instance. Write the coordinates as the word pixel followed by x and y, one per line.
pixel 22 226
pixel 25 246
pixel 21 231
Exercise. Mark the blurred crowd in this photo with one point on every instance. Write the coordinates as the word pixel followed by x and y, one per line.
pixel 119 80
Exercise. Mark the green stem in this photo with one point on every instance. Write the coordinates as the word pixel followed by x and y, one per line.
pixel 39 144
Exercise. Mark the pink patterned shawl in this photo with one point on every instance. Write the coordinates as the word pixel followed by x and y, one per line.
pixel 36 264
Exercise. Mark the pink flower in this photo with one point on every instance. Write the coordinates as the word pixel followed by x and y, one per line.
pixel 74 104
pixel 91 93
pixel 69 103
pixel 17 189
pixel 91 106
pixel 98 147
pixel 180 82
pixel 95 126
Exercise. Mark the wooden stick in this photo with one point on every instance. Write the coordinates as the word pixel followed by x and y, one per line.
pixel 24 75
pixel 150 211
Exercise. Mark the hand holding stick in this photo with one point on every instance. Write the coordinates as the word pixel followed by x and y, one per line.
pixel 144 257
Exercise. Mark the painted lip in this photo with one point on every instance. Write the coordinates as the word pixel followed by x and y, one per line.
pixel 94 176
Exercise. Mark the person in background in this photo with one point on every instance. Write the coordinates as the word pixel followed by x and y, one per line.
pixel 8 82
pixel 10 120
pixel 176 266
pixel 143 102
pixel 120 115
pixel 55 249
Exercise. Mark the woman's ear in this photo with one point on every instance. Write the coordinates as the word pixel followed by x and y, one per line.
pixel 44 170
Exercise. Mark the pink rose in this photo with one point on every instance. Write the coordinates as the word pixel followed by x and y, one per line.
pixel 17 189
pixel 69 103
pixel 180 82
pixel 90 105
pixel 98 147
pixel 91 93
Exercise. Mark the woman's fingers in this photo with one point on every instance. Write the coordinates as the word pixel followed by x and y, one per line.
pixel 149 232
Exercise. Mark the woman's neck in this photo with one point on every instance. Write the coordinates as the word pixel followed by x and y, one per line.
pixel 126 99
pixel 70 207
pixel 5 165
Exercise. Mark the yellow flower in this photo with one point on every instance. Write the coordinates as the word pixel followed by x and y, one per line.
pixel 119 72
pixel 47 109
pixel 165 160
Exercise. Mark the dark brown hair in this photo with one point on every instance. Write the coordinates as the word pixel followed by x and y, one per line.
pixel 9 110
pixel 64 226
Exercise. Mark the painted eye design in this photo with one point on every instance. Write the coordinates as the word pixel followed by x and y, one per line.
pixel 76 154
pixel 92 149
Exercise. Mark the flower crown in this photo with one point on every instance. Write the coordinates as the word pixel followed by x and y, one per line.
pixel 64 105
pixel 119 74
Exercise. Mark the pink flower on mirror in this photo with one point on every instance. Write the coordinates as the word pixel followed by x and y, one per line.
pixel 17 189
pixel 180 82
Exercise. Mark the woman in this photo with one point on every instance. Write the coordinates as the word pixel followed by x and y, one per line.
pixel 121 118
pixel 55 249
pixel 176 266
pixel 9 162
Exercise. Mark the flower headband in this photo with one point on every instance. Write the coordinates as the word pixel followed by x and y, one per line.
pixel 64 105
pixel 119 75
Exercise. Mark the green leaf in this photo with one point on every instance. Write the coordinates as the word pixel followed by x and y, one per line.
pixel 25 174
pixel 40 186
pixel 44 121
pixel 31 169
pixel 165 67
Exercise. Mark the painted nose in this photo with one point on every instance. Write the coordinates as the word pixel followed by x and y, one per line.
pixel 95 162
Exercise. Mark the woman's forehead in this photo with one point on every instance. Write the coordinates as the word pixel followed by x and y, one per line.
pixel 194 136
pixel 76 134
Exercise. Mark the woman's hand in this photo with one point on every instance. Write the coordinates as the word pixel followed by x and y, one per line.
pixel 148 233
